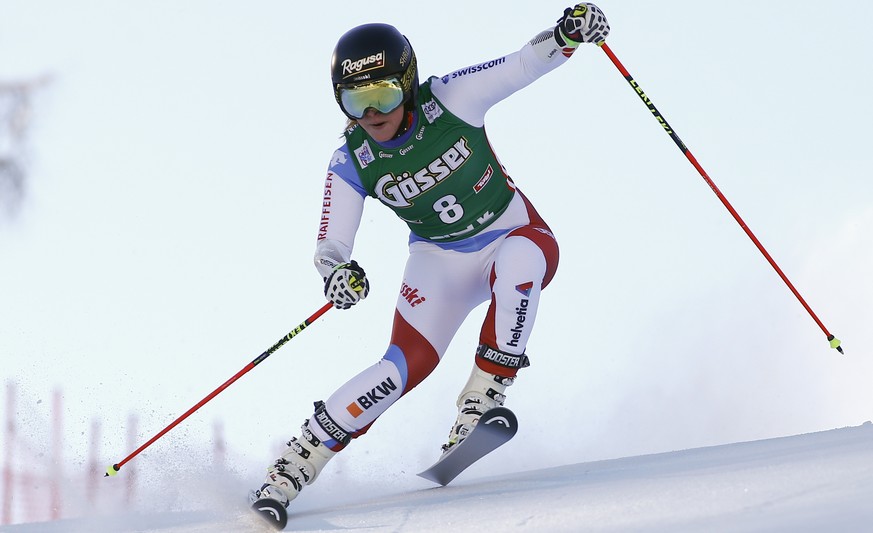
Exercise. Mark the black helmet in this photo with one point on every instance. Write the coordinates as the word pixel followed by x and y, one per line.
pixel 370 53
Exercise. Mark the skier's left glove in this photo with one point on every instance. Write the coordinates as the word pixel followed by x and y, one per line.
pixel 346 285
pixel 584 23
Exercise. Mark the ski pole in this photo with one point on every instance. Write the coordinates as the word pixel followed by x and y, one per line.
pixel 113 469
pixel 834 342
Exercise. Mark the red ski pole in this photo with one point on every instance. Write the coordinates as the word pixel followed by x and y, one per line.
pixel 113 469
pixel 834 342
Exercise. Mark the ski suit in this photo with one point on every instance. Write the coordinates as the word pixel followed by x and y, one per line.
pixel 474 236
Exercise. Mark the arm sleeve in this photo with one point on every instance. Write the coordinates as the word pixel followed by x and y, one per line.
pixel 470 92
pixel 341 212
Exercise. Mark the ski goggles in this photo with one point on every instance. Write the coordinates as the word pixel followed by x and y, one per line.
pixel 382 95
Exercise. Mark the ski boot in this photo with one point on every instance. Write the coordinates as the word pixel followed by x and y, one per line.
pixel 483 391
pixel 299 465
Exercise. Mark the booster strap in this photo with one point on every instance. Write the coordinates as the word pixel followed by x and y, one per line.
pixel 329 425
pixel 502 359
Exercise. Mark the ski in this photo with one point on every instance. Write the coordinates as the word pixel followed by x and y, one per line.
pixel 270 510
pixel 493 430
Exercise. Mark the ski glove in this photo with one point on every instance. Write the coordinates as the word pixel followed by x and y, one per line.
pixel 346 285
pixel 584 23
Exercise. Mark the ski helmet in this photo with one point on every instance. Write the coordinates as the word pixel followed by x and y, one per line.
pixel 373 65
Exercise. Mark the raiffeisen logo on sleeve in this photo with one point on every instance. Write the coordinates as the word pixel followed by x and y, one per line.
pixel 354 67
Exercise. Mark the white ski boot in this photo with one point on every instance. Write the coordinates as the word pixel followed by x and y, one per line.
pixel 299 465
pixel 483 391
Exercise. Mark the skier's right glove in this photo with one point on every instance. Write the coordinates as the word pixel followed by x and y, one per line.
pixel 346 285
pixel 584 23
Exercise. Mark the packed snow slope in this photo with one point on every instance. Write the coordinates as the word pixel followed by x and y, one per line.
pixel 813 482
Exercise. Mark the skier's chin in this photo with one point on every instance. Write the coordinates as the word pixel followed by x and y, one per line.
pixel 381 131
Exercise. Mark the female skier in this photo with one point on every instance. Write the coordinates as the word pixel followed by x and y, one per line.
pixel 422 151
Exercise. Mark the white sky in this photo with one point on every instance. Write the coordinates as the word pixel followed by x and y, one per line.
pixel 177 165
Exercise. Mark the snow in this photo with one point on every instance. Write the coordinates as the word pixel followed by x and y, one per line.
pixel 811 482
pixel 168 231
